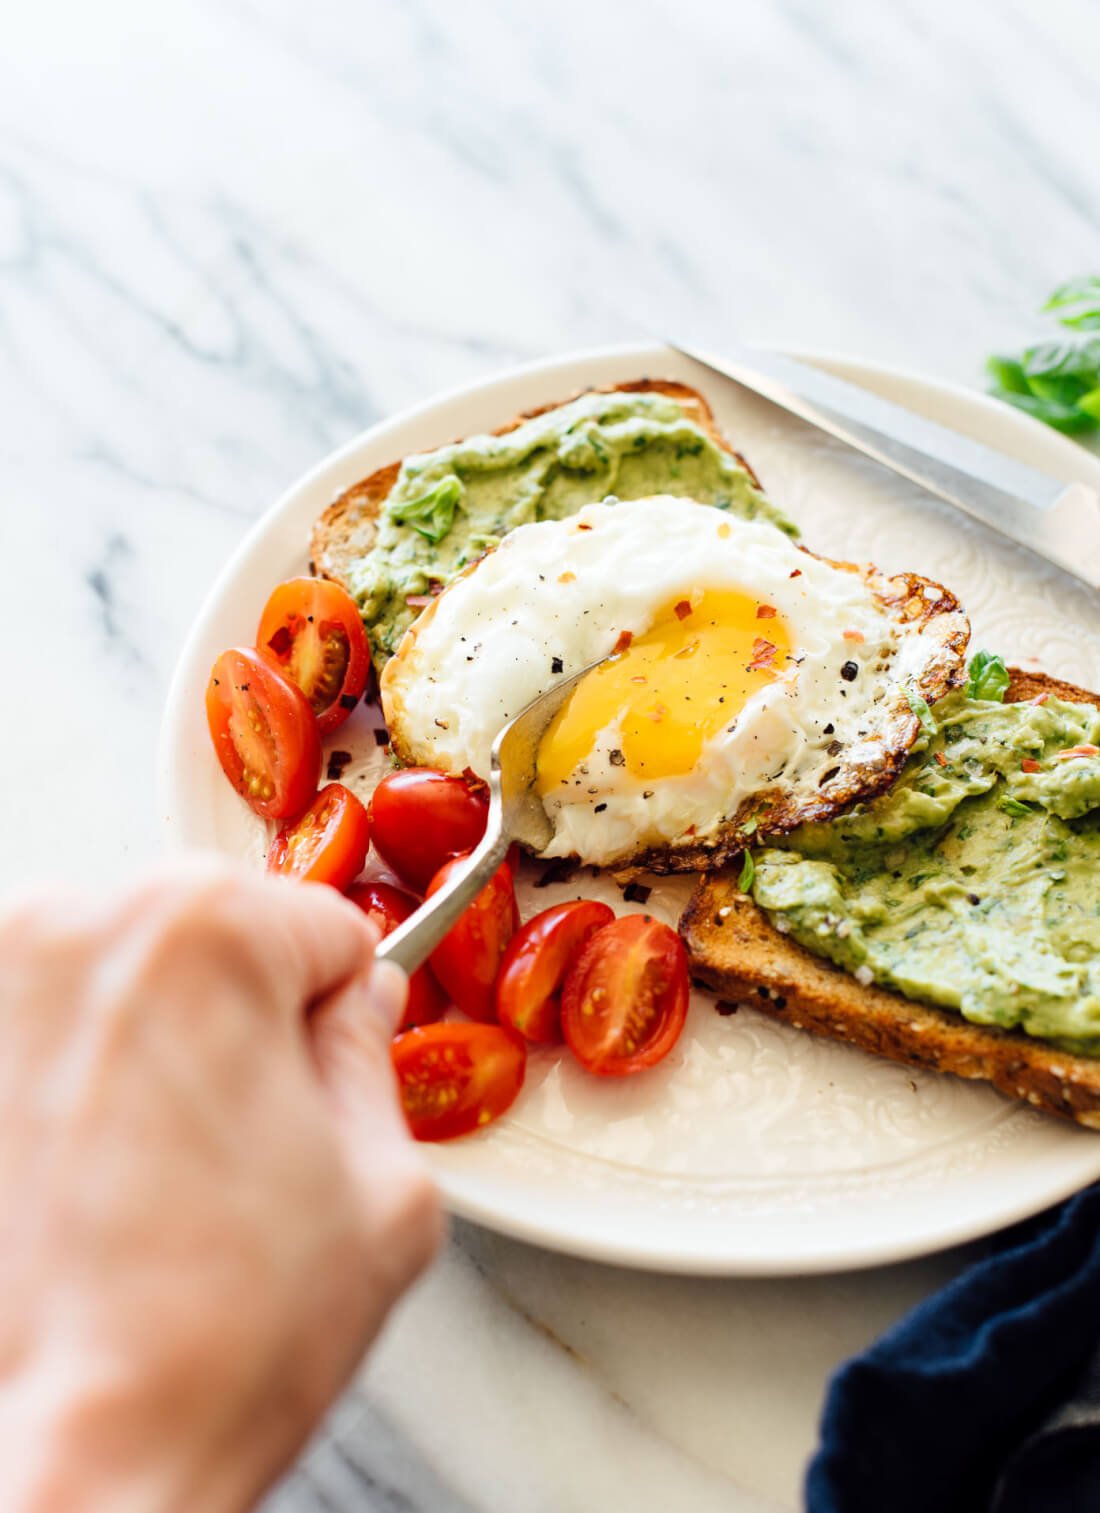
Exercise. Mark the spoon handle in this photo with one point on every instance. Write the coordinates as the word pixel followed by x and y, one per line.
pixel 412 943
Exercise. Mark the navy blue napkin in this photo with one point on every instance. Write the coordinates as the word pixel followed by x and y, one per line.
pixel 986 1397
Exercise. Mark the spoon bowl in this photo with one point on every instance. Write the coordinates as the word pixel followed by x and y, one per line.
pixel 516 813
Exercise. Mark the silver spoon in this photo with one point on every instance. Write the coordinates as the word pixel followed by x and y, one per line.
pixel 515 814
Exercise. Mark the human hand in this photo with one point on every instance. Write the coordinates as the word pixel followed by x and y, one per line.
pixel 210 1197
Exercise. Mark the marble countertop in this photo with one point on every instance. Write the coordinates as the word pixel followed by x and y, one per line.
pixel 234 233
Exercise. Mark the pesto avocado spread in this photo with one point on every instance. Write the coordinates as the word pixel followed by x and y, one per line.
pixel 973 883
pixel 451 505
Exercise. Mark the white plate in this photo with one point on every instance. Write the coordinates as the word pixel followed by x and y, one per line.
pixel 754 1149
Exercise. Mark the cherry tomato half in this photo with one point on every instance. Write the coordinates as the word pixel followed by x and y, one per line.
pixel 468 957
pixel 528 990
pixel 264 733
pixel 389 907
pixel 455 1078
pixel 625 999
pixel 420 818
pixel 327 844
pixel 312 632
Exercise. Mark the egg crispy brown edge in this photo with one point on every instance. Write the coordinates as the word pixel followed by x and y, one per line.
pixel 774 811
pixel 771 811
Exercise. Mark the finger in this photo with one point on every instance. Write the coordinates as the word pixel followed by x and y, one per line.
pixel 352 1033
pixel 324 942
pixel 290 943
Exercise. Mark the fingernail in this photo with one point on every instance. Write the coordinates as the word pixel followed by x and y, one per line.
pixel 388 987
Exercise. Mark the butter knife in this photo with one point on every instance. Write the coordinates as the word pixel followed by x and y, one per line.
pixel 1058 521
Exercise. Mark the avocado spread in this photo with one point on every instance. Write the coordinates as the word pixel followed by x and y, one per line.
pixel 451 505
pixel 973 883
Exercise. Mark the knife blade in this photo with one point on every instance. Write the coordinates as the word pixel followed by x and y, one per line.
pixel 1058 521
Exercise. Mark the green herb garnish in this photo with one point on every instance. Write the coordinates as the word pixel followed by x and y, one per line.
pixel 1081 298
pixel 1058 382
pixel 1015 807
pixel 988 677
pixel 748 872
pixel 433 514
pixel 920 707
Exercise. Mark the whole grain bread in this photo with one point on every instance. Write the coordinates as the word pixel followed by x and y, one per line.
pixel 346 531
pixel 737 951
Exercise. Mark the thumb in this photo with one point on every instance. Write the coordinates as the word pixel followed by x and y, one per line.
pixel 351 1033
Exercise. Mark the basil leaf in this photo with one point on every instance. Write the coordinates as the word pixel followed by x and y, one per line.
pixel 1069 419
pixel 1015 807
pixel 748 872
pixel 1062 359
pixel 920 708
pixel 1049 380
pixel 1008 374
pixel 1061 389
pixel 433 514
pixel 988 677
pixel 1081 299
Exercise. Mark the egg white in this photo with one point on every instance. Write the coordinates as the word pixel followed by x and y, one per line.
pixel 509 628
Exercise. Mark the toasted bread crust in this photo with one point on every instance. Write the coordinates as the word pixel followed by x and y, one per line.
pixel 346 531
pixel 737 951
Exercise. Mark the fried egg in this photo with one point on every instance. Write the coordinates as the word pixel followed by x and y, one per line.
pixel 749 685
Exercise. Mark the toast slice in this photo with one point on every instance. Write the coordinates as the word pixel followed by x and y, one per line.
pixel 736 950
pixel 345 533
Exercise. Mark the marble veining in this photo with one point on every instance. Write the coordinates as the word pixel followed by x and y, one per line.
pixel 232 234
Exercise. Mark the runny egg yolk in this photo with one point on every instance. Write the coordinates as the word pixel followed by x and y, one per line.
pixel 671 689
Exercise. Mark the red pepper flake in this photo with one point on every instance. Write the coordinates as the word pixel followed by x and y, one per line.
pixel 1076 751
pixel 683 609
pixel 582 525
pixel 641 678
pixel 765 611
pixel 1029 764
pixel 763 655
pixel 939 757
pixel 658 714
pixel 797 573
pixel 625 638
pixel 853 635
pixel 418 601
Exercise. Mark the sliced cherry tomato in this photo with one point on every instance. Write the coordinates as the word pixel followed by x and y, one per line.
pixel 528 991
pixel 311 630
pixel 467 959
pixel 264 733
pixel 455 1078
pixel 625 998
pixel 328 844
pixel 420 818
pixel 389 907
